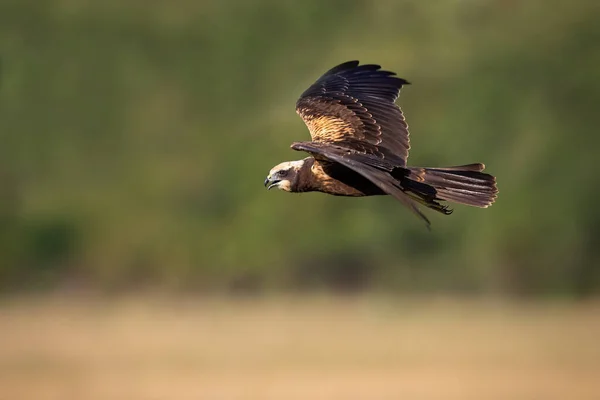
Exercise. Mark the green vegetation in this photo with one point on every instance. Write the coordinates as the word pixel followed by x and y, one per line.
pixel 135 137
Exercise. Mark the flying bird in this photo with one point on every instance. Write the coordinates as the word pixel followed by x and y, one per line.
pixel 360 144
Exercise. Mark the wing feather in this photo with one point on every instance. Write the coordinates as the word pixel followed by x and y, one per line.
pixel 353 106
pixel 375 170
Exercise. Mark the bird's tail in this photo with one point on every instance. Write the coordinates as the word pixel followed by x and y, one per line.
pixel 464 184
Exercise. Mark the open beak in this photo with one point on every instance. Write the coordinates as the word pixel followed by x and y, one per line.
pixel 270 183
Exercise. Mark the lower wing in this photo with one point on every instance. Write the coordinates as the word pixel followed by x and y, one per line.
pixel 368 168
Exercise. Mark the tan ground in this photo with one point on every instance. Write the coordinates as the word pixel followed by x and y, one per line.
pixel 297 349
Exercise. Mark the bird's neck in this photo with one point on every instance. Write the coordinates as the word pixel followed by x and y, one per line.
pixel 306 180
pixel 312 178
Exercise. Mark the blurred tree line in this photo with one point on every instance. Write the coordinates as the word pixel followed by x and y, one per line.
pixel 135 137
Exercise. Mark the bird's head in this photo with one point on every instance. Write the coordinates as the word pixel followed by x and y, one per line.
pixel 283 176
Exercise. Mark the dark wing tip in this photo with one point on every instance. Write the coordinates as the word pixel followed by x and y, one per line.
pixel 372 67
pixel 353 68
pixel 342 67
pixel 354 71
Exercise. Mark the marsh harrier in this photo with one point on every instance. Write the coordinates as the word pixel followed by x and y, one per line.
pixel 360 144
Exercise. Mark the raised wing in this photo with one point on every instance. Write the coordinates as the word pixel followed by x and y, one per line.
pixel 353 106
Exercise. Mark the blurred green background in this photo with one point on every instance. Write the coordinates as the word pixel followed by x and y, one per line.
pixel 136 135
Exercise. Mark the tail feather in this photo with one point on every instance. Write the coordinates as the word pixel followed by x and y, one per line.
pixel 465 184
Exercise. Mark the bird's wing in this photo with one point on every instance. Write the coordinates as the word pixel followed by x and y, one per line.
pixel 373 168
pixel 354 107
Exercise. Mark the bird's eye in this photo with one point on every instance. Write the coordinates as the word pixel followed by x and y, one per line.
pixel 282 172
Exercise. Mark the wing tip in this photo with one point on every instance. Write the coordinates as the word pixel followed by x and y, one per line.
pixel 343 67
pixel 356 67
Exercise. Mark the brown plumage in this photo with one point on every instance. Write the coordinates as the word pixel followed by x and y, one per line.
pixel 360 144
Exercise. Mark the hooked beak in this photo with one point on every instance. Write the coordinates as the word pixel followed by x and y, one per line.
pixel 270 183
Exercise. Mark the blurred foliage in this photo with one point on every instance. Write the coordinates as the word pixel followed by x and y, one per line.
pixel 135 137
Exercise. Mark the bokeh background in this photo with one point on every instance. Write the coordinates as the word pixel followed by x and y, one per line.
pixel 142 258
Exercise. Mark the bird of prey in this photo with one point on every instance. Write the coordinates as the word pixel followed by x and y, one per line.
pixel 360 144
